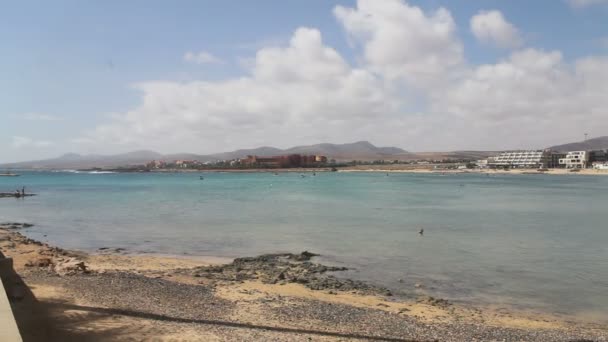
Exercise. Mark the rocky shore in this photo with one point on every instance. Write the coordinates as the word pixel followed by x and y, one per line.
pixel 60 295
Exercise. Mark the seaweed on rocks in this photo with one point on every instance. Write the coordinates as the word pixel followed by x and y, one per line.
pixel 284 268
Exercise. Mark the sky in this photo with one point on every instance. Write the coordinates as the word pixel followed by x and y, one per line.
pixel 115 76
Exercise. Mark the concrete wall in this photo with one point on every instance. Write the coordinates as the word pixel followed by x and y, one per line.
pixel 8 327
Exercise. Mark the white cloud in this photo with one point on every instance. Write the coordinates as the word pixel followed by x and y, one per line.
pixel 492 27
pixel 202 57
pixel 401 41
pixel 23 142
pixel 531 97
pixel 304 91
pixel 586 3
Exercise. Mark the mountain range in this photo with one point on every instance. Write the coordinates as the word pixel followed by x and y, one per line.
pixel 361 150
pixel 599 143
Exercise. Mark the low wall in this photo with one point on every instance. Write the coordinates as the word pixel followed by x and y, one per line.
pixel 8 327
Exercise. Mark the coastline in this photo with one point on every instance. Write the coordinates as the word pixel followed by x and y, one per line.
pixel 383 168
pixel 387 168
pixel 241 300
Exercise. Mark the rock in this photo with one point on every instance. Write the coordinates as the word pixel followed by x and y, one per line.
pixel 419 286
pixel 39 262
pixel 71 267
pixel 282 268
pixel 439 302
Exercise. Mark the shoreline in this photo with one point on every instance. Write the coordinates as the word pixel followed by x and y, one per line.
pixel 289 291
pixel 359 168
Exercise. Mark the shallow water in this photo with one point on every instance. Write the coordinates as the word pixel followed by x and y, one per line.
pixel 533 241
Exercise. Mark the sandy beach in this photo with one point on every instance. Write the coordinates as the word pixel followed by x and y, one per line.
pixel 426 169
pixel 398 168
pixel 60 295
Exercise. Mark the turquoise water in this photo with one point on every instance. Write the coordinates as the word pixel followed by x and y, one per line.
pixel 534 241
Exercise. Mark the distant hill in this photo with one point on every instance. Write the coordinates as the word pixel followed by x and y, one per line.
pixel 361 150
pixel 77 161
pixel 599 143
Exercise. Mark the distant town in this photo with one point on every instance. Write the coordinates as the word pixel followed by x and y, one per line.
pixel 520 159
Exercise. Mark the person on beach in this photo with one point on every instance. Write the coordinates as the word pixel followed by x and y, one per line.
pixel 421 232
pixel 23 191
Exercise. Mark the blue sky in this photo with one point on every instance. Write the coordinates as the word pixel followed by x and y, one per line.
pixel 69 67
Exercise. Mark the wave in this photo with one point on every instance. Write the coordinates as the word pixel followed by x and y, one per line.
pixel 85 172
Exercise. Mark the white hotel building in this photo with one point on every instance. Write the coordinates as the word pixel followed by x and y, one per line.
pixel 521 159
pixel 575 160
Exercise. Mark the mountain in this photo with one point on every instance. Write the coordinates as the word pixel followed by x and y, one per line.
pixel 361 150
pixel 264 151
pixel 77 161
pixel 599 143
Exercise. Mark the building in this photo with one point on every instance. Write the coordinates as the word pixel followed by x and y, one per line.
pixel 286 161
pixel 186 164
pixel 575 160
pixel 598 156
pixel 482 163
pixel 600 165
pixel 156 164
pixel 554 161
pixel 521 159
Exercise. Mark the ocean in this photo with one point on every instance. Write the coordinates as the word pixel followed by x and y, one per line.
pixel 527 241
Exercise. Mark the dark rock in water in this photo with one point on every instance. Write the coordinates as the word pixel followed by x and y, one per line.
pixel 283 268
pixel 442 303
pixel 305 256
pixel 15 225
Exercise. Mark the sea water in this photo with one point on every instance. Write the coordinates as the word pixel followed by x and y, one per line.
pixel 533 241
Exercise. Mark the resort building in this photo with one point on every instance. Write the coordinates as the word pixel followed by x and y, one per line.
pixel 482 163
pixel 521 159
pixel 156 164
pixel 554 160
pixel 292 160
pixel 598 156
pixel 575 160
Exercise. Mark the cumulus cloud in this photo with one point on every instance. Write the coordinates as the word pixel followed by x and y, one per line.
pixel 492 27
pixel 202 57
pixel 412 88
pixel 402 41
pixel 19 142
pixel 293 90
pixel 532 96
pixel 586 3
